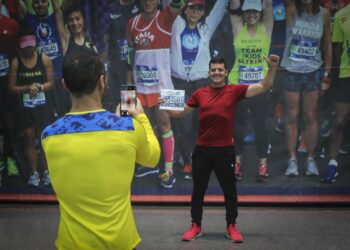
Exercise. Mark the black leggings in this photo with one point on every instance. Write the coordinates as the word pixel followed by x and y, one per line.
pixel 221 160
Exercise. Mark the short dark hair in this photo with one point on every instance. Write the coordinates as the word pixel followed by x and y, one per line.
pixel 216 60
pixel 75 7
pixel 81 72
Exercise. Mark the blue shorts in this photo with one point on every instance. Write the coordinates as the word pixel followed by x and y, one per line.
pixel 342 90
pixel 301 82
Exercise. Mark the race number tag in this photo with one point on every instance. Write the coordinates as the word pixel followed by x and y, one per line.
pixel 146 75
pixel 31 101
pixel 174 99
pixel 302 50
pixel 250 75
pixel 49 49
pixel 4 65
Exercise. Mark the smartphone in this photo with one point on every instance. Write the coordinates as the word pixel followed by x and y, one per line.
pixel 127 99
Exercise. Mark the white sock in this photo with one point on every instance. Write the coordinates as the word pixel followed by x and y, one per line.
pixel 333 162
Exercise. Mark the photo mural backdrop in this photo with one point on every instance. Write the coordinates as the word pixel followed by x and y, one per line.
pixel 264 130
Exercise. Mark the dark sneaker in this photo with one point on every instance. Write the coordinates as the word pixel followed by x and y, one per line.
pixel 234 234
pixel 344 149
pixel 292 169
pixel 193 232
pixel 34 179
pixel 263 173
pixel 143 171
pixel 321 152
pixel 238 172
pixel 331 174
pixel 187 170
pixel 250 138
pixel 326 128
pixel 167 180
pixel 279 125
pixel 311 167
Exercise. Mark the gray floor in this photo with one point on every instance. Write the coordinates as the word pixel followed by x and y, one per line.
pixel 34 227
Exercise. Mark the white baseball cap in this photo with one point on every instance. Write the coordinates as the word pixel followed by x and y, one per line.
pixel 252 5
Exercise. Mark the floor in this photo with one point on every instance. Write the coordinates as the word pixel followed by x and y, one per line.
pixel 34 227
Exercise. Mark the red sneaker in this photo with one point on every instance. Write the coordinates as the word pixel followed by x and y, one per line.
pixel 187 170
pixel 193 232
pixel 238 172
pixel 234 234
pixel 263 173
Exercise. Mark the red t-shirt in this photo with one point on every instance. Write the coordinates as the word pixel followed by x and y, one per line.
pixel 217 108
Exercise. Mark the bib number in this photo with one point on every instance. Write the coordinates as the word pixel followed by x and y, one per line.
pixel 250 75
pixel 32 101
pixel 302 50
pixel 146 75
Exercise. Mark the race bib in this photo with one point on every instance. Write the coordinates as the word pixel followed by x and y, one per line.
pixel 31 101
pixel 4 65
pixel 50 50
pixel 302 50
pixel 147 75
pixel 250 75
pixel 174 99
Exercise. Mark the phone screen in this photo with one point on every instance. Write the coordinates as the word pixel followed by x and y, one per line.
pixel 127 99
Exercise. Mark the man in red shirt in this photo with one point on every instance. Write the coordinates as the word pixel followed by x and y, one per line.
pixel 214 148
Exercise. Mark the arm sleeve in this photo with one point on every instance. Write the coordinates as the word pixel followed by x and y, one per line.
pixel 148 150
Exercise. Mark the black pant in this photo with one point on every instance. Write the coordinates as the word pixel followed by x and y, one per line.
pixel 221 160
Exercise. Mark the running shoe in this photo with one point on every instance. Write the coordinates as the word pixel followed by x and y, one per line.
pixel 263 173
pixel 321 152
pixel 238 172
pixel 292 169
pixel 279 125
pixel 187 170
pixel 234 234
pixel 12 169
pixel 193 232
pixel 250 138
pixel 34 179
pixel 167 180
pixel 331 174
pixel 144 171
pixel 311 168
pixel 302 145
pixel 326 128
pixel 344 149
pixel 46 178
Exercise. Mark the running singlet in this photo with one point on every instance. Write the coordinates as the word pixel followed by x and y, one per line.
pixel 87 46
pixel 47 39
pixel 302 52
pixel 151 39
pixel 341 34
pixel 250 66
pixel 27 76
